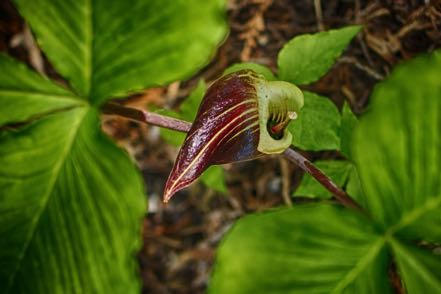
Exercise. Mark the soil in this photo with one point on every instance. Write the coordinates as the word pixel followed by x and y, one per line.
pixel 180 239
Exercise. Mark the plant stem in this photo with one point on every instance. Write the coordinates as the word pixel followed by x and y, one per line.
pixel 184 126
pixel 321 177
pixel 147 117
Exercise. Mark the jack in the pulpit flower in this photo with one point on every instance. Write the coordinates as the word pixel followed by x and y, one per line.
pixel 242 117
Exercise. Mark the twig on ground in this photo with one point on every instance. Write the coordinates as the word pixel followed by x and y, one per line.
pixel 372 73
pixel 319 15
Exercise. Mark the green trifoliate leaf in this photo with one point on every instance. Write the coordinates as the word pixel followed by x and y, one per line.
pixel 306 249
pixel 317 127
pixel 337 170
pixel 71 206
pixel 306 58
pixel 398 150
pixel 112 48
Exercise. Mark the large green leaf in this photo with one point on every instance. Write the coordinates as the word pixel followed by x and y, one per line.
pixel 306 58
pixel 107 48
pixel 24 94
pixel 70 208
pixel 354 188
pixel 315 248
pixel 318 125
pixel 419 269
pixel 398 150
pixel 71 202
pixel 348 124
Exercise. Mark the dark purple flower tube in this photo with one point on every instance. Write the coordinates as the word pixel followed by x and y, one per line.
pixel 242 117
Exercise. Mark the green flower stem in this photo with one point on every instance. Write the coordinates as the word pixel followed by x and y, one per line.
pixel 184 126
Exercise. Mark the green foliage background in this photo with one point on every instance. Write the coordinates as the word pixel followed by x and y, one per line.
pixel 71 201
pixel 322 248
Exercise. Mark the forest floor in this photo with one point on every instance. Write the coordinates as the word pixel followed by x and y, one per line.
pixel 180 239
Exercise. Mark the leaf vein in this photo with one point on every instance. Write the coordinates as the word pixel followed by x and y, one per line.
pixel 52 181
